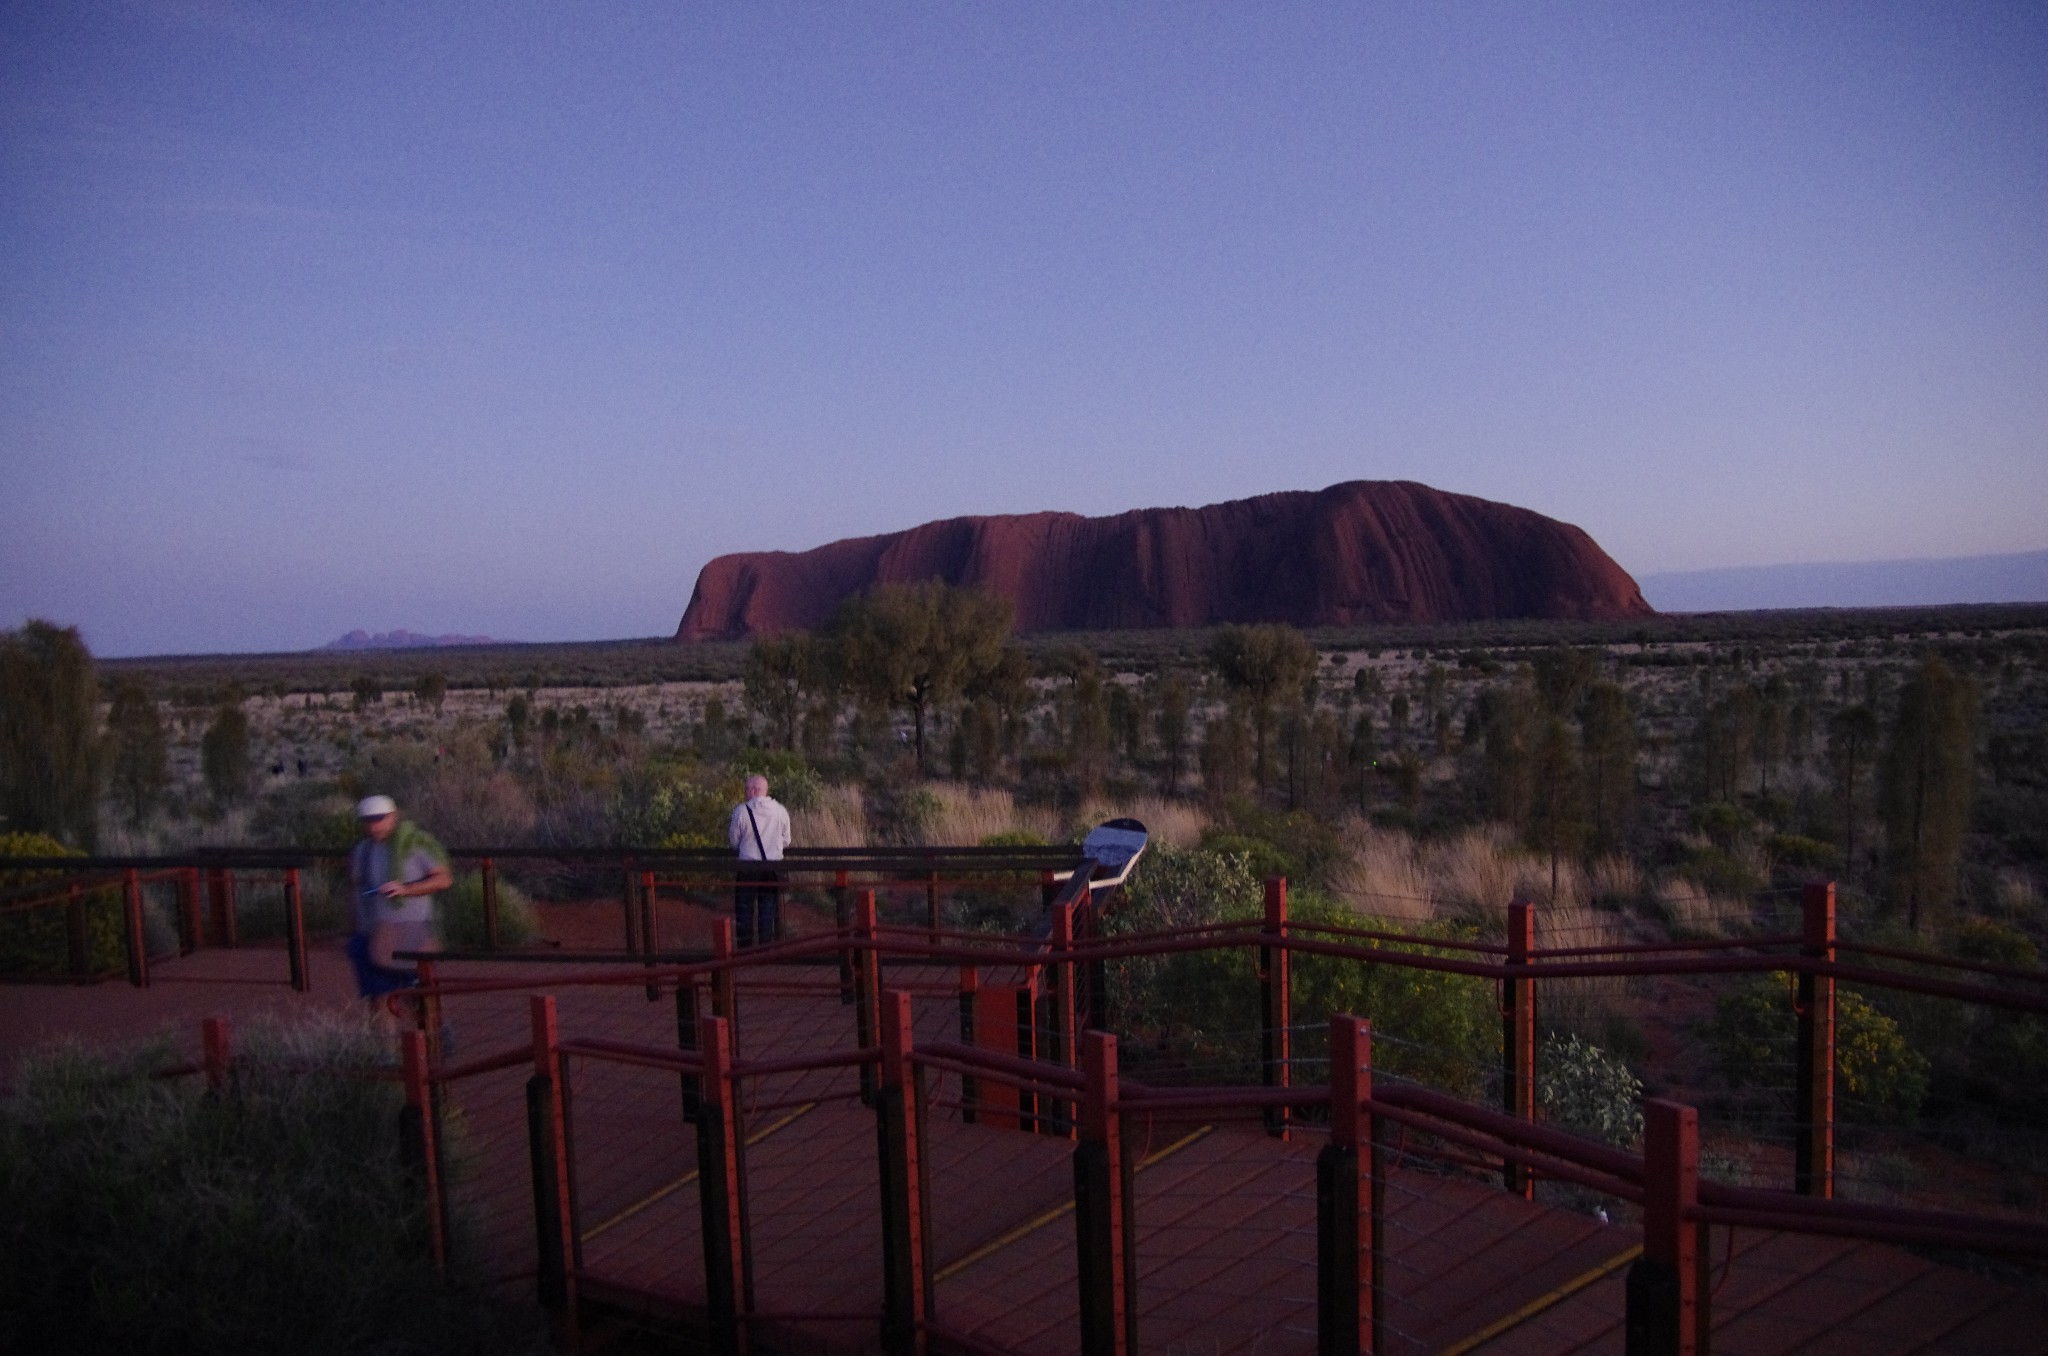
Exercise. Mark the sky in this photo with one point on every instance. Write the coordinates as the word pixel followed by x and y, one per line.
pixel 504 319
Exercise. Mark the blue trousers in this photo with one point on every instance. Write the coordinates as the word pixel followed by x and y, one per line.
pixel 756 917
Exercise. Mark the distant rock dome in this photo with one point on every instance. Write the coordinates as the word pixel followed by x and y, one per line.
pixel 1361 552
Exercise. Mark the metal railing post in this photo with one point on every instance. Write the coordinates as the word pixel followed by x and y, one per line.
pixel 490 874
pixel 842 919
pixel 221 888
pixel 1813 1151
pixel 216 1045
pixel 1666 1310
pixel 1340 1244
pixel 650 930
pixel 547 1132
pixel 686 1041
pixel 867 988
pixel 132 938
pixel 906 1223
pixel 295 931
pixel 1060 1012
pixel 421 1144
pixel 726 1284
pixel 77 944
pixel 970 1086
pixel 1276 1013
pixel 1104 1210
pixel 1518 1038
pixel 626 884
pixel 190 933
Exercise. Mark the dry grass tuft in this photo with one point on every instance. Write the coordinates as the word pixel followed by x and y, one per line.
pixel 838 820
pixel 1171 823
pixel 1694 912
pixel 970 815
pixel 1481 871
pixel 1381 876
pixel 1615 880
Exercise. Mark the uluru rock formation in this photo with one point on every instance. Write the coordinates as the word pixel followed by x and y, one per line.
pixel 1364 551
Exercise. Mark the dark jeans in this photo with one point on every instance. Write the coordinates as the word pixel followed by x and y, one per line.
pixel 756 917
pixel 374 980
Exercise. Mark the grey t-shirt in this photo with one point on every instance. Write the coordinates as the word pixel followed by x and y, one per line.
pixel 371 867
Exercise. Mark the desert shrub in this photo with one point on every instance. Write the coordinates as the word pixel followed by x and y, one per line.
pixel 1261 858
pixel 1751 1036
pixel 1015 838
pixel 35 941
pixel 1583 1088
pixel 1427 1025
pixel 1723 823
pixel 1433 1027
pixel 1994 943
pixel 1719 872
pixel 147 1215
pixel 304 815
pixel 1798 853
pixel 675 807
pixel 1292 843
pixel 902 816
pixel 791 780
pixel 461 910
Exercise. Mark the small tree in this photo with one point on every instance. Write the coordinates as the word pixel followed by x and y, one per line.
pixel 1725 744
pixel 1852 744
pixel 1508 720
pixel 49 762
pixel 365 692
pixel 1262 666
pixel 224 755
pixel 518 715
pixel 915 645
pixel 1176 698
pixel 782 675
pixel 1928 777
pixel 1607 754
pixel 138 763
pixel 431 689
pixel 1556 812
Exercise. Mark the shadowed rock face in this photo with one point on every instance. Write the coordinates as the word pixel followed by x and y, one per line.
pixel 1363 551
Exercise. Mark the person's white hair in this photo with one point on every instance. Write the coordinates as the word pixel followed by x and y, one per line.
pixel 756 780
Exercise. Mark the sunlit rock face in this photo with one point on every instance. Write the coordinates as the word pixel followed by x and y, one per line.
pixel 1364 551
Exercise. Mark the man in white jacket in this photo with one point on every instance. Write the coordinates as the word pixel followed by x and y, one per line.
pixel 759 832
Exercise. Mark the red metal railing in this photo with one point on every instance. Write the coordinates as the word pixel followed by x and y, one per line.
pixel 1027 1058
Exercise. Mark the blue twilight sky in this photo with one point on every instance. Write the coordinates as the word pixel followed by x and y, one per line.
pixel 505 318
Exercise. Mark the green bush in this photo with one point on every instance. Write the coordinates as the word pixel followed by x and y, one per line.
pixel 461 910
pixel 35 941
pixel 1015 838
pixel 1583 1088
pixel 1261 858
pixel 1719 872
pixel 791 780
pixel 676 807
pixel 1993 943
pixel 1798 853
pixel 145 1215
pixel 1429 1026
pixel 1751 1035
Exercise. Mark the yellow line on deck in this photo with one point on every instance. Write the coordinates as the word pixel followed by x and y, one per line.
pixel 1033 1225
pixel 636 1207
pixel 1544 1301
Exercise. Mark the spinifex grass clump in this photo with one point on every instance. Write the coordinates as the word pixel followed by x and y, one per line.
pixel 147 1215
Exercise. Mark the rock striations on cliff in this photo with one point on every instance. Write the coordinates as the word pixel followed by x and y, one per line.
pixel 1361 552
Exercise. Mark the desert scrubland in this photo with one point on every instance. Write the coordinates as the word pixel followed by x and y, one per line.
pixel 1676 777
